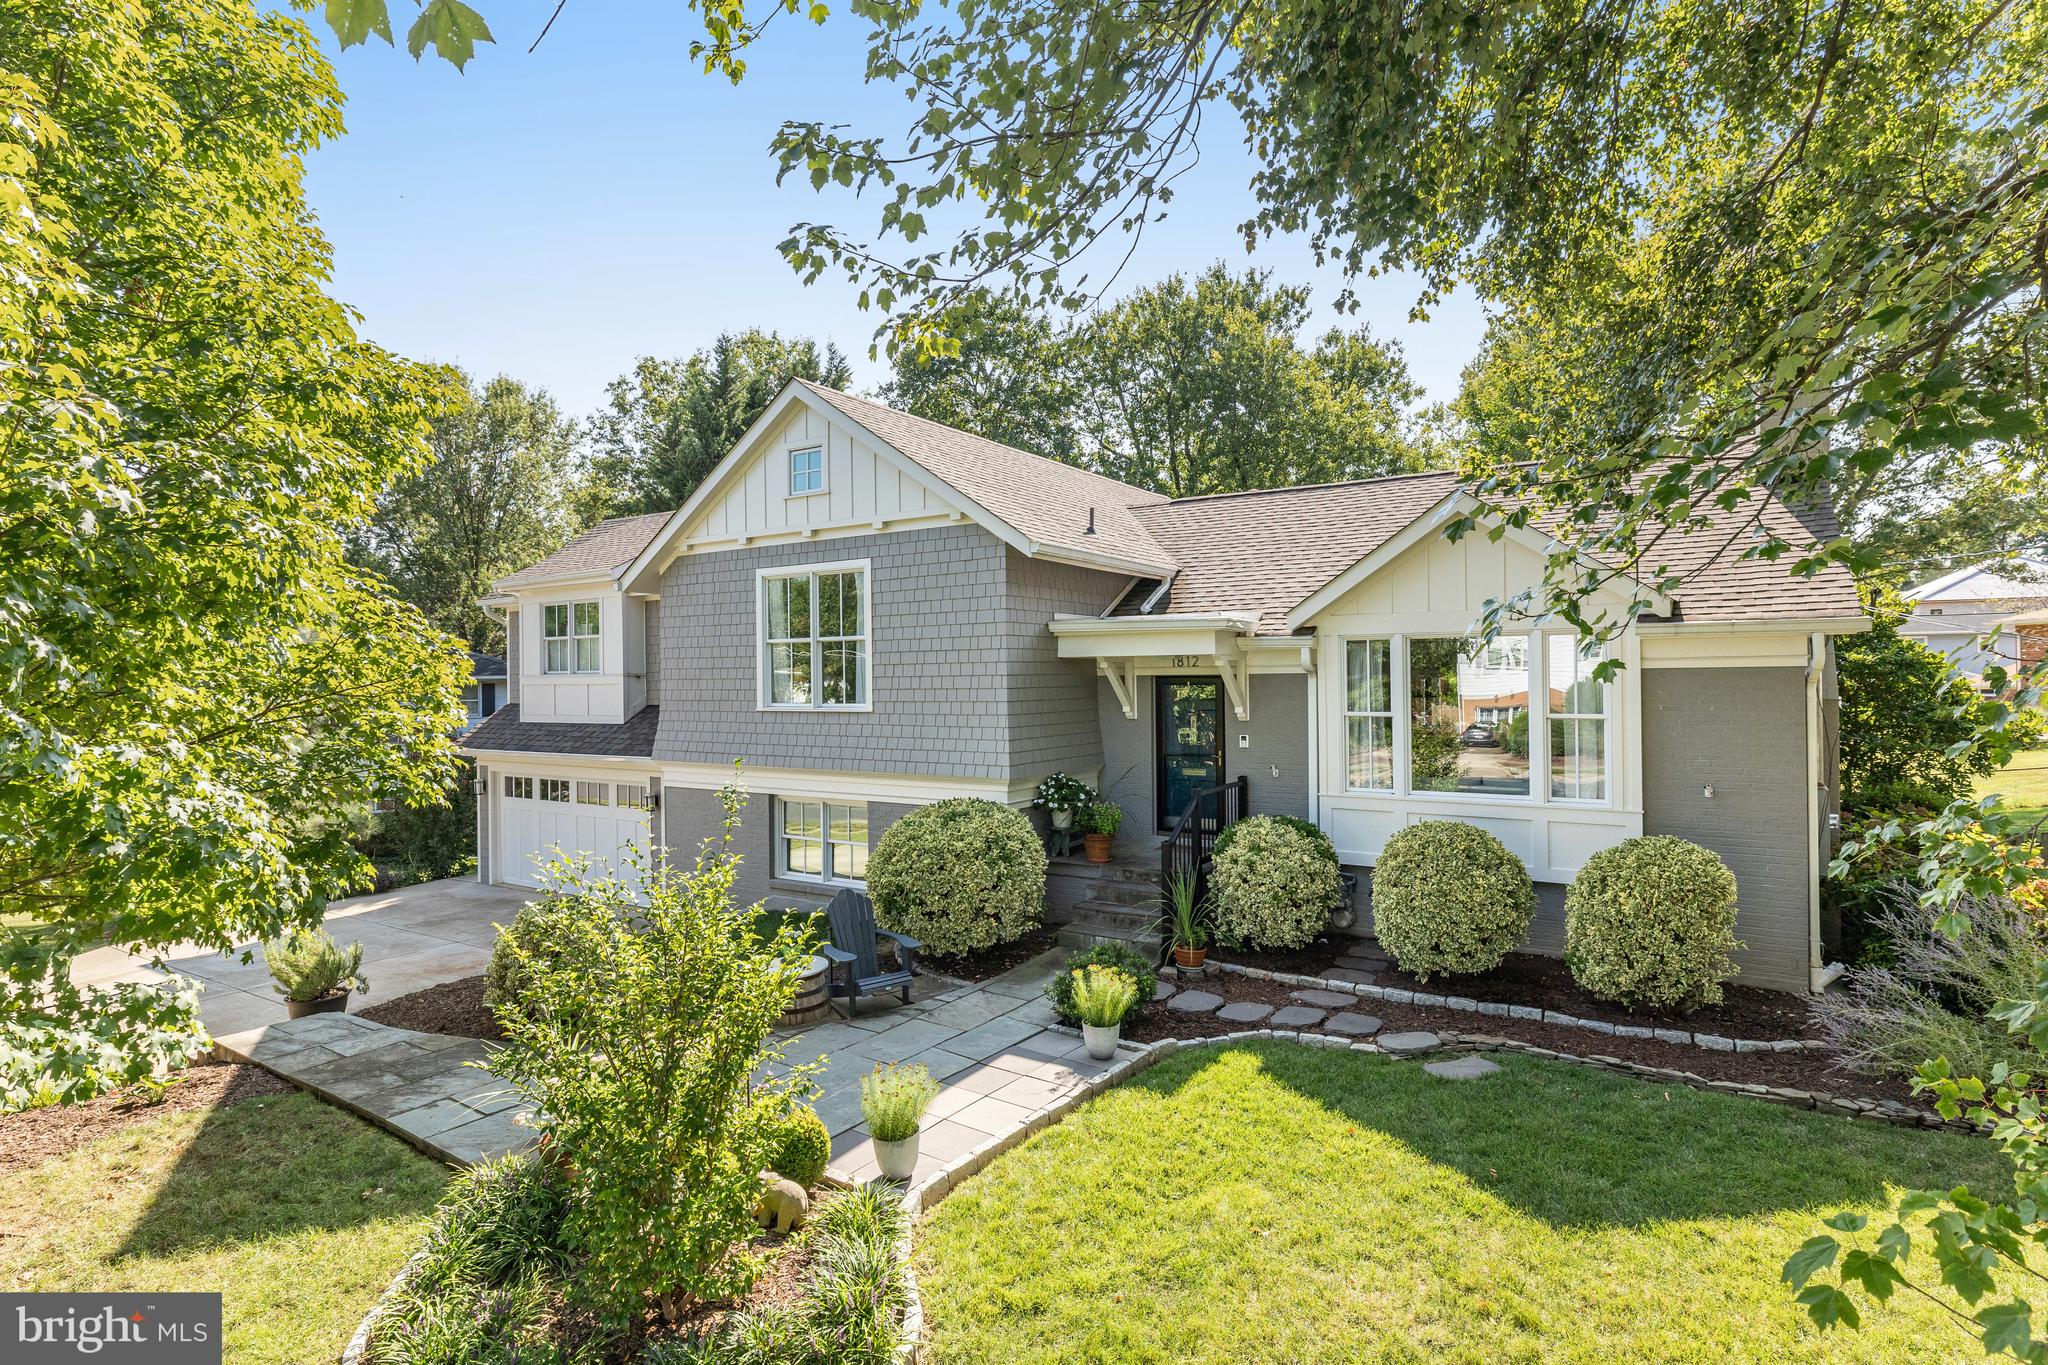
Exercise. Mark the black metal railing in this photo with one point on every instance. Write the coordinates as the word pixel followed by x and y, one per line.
pixel 1208 814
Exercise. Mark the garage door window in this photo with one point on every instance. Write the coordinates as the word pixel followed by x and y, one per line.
pixel 593 793
pixel 554 789
pixel 521 787
pixel 821 840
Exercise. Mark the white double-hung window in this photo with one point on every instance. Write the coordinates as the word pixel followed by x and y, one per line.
pixel 823 841
pixel 1369 715
pixel 570 637
pixel 1577 708
pixel 814 637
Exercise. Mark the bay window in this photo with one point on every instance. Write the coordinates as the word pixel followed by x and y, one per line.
pixel 1578 721
pixel 570 637
pixel 814 638
pixel 823 841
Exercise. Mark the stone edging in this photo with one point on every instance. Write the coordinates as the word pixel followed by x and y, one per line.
pixel 358 1347
pixel 1712 1042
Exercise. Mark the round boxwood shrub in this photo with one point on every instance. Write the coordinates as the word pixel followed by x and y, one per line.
pixel 1650 922
pixel 1272 884
pixel 959 875
pixel 1449 898
pixel 528 933
pixel 802 1147
pixel 1229 834
pixel 1060 990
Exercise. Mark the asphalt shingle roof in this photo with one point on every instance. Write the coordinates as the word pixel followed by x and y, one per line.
pixel 605 548
pixel 1047 501
pixel 504 731
pixel 485 665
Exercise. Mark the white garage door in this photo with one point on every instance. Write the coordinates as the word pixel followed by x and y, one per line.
pixel 543 817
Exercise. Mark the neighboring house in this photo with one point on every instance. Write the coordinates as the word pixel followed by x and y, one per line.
pixel 873 611
pixel 1950 612
pixel 485 692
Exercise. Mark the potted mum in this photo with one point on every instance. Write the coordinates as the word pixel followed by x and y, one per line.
pixel 1061 796
pixel 314 974
pixel 893 1099
pixel 1183 924
pixel 1100 822
pixel 1102 997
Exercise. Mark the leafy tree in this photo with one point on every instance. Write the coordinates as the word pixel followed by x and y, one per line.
pixel 1200 387
pixel 670 421
pixel 499 492
pixel 1003 370
pixel 193 681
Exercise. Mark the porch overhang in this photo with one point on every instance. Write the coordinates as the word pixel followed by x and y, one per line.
pixel 1120 645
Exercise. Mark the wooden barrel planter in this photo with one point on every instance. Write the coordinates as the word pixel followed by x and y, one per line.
pixel 813 1001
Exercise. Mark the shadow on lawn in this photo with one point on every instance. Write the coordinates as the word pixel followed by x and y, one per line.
pixel 1579 1148
pixel 280 1165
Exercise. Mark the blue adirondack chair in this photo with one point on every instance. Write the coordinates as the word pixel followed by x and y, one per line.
pixel 856 964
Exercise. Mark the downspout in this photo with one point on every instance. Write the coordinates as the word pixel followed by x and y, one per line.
pixel 1819 974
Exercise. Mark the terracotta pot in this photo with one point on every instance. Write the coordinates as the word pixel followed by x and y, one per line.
pixel 1190 958
pixel 334 1002
pixel 1097 846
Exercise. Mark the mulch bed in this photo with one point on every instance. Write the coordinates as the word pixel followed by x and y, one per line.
pixel 1546 983
pixel 453 1007
pixel 991 962
pixel 38 1135
pixel 1793 1070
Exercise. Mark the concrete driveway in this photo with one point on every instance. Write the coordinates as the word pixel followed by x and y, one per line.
pixel 414 938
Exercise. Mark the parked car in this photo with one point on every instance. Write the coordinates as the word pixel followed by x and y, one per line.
pixel 1477 733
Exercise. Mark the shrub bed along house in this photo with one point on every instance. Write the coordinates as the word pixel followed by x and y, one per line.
pixel 1449 898
pixel 1651 922
pixel 1274 882
pixel 959 875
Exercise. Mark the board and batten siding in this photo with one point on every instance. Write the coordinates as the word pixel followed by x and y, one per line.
pixel 1741 732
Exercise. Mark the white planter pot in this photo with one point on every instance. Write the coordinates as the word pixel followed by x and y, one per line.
pixel 898 1160
pixel 1063 819
pixel 1101 1041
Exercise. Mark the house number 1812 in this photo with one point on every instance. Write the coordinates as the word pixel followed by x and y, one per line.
pixel 1186 661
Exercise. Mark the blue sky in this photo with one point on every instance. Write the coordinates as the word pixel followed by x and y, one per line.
pixel 554 215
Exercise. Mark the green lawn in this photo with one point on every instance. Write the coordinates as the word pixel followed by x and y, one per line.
pixel 1280 1203
pixel 297 1212
pixel 2023 783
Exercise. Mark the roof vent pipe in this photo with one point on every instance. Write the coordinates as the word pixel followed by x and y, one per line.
pixel 1091 523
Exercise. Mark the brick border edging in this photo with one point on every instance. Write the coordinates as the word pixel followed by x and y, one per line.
pixel 1395 995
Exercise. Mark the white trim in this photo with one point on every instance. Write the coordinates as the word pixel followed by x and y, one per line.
pixel 778 860
pixel 1142 625
pixel 867 638
pixel 907 789
pixel 792 449
pixel 521 756
pixel 1815 860
pixel 1786 625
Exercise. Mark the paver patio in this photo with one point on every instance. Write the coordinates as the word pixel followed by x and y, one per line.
pixel 413 938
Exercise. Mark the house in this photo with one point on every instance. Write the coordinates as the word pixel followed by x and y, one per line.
pixel 873 611
pixel 485 691
pixel 1950 612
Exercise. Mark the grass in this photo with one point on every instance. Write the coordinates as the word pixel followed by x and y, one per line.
pixel 1279 1203
pixel 2024 785
pixel 298 1213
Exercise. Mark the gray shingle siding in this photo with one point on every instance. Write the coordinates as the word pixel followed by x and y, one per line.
pixel 485 804
pixel 651 633
pixel 963 678
pixel 1278 731
pixel 511 657
pixel 1741 731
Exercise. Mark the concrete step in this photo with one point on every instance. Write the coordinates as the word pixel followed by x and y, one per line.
pixel 1077 936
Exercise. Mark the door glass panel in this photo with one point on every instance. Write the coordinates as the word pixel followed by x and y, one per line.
pixel 1190 745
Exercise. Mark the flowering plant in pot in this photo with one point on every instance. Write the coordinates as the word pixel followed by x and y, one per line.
pixel 1184 923
pixel 1062 795
pixel 1099 824
pixel 314 974
pixel 893 1099
pixel 1102 997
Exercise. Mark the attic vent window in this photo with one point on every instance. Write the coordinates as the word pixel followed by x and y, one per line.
pixel 806 471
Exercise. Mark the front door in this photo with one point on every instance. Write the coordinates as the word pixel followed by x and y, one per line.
pixel 1190 718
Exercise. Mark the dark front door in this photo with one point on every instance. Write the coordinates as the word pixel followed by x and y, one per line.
pixel 1190 718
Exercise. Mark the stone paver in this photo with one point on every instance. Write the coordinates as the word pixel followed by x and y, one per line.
pixel 1162 989
pixel 1352 1025
pixel 1195 1002
pixel 1352 974
pixel 1408 1044
pixel 1296 1016
pixel 1329 999
pixel 412 938
pixel 1244 1012
pixel 1466 1068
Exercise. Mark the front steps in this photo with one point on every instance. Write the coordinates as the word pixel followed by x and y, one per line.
pixel 1113 902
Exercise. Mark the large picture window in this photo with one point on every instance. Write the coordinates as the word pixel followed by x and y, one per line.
pixel 815 642
pixel 1458 694
pixel 569 633
pixel 1578 721
pixel 1369 715
pixel 821 840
